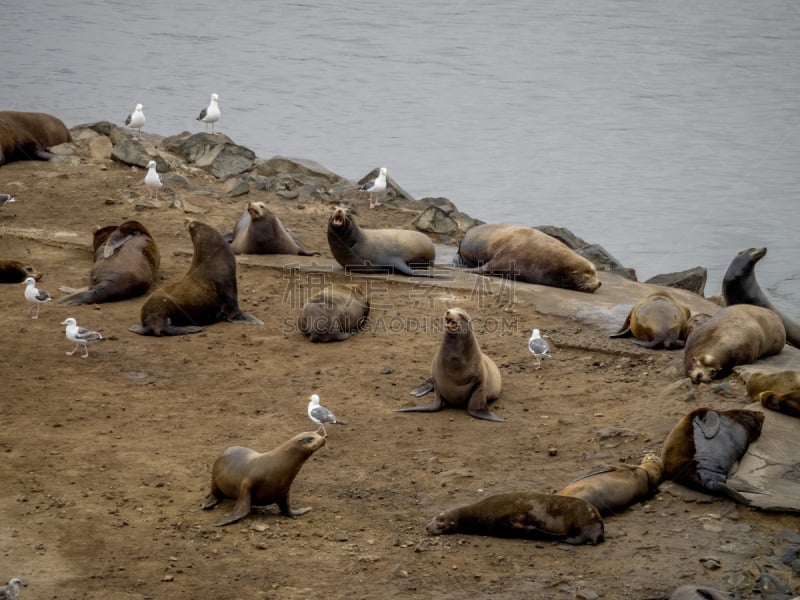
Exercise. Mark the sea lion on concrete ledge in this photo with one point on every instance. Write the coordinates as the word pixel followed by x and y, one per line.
pixel 335 313
pixel 616 487
pixel 126 260
pixel 29 135
pixel 778 391
pixel 259 231
pixel 735 335
pixel 462 374
pixel 739 286
pixel 702 448
pixel 656 320
pixel 13 271
pixel 385 251
pixel 529 515
pixel 256 479
pixel 525 254
pixel 207 293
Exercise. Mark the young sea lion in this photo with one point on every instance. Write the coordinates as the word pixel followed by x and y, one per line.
pixel 656 320
pixel 259 231
pixel 335 313
pixel 777 391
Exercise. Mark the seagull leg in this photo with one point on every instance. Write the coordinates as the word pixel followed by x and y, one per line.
pixel 377 201
pixel 85 351
pixel 73 350
pixel 371 203
pixel 38 308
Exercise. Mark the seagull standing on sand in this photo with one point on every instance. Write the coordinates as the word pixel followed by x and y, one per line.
pixel 80 336
pixel 152 180
pixel 211 113
pixel 10 591
pixel 6 199
pixel 376 186
pixel 538 347
pixel 35 296
pixel 136 121
pixel 321 415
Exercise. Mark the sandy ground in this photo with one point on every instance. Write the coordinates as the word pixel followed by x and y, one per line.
pixel 106 460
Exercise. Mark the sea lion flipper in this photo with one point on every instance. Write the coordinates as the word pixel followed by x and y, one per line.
pixel 646 344
pixel 425 388
pixel 286 510
pixel 438 404
pixel 211 501
pixel 625 330
pixel 708 423
pixel 726 490
pixel 243 317
pixel 242 507
pixel 479 408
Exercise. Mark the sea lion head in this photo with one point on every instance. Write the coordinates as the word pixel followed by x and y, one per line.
pixel 341 219
pixel 703 368
pixel 457 322
pixel 258 210
pixel 442 523
pixel 307 442
pixel 587 280
pixel 31 272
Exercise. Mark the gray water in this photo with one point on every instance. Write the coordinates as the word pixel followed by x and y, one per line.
pixel 668 132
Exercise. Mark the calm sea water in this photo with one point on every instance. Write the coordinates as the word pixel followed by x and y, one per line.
pixel 668 132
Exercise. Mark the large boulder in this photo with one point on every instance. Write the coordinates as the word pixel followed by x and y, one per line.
pixel 441 216
pixel 693 280
pixel 281 166
pixel 214 153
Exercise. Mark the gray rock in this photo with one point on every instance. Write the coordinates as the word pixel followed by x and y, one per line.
pixel 435 220
pixel 693 280
pixel 444 203
pixel 594 253
pixel 214 153
pixel 790 554
pixel 281 165
pixel 175 180
pixel 393 189
pixel 236 186
pixel 100 147
pixel 772 588
pixel 564 235
pixel 135 153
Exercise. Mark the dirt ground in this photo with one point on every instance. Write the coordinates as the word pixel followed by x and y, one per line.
pixel 106 460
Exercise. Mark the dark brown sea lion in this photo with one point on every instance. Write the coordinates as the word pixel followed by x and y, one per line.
pixel 255 479
pixel 778 391
pixel 614 488
pixel 206 294
pixel 656 320
pixel 525 515
pixel 13 271
pixel 739 286
pixel 335 313
pixel 461 373
pixel 126 260
pixel 259 231
pixel 378 250
pixel 702 448
pixel 735 335
pixel 694 592
pixel 29 135
pixel 525 254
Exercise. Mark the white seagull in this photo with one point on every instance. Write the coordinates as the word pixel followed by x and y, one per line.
pixel 321 415
pixel 80 336
pixel 136 121
pixel 538 347
pixel 35 296
pixel 376 186
pixel 152 180
pixel 6 199
pixel 211 113
pixel 10 591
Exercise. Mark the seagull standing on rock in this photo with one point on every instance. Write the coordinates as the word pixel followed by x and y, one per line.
pixel 321 415
pixel 376 186
pixel 152 180
pixel 10 591
pixel 80 336
pixel 211 113
pixel 136 121
pixel 35 296
pixel 538 347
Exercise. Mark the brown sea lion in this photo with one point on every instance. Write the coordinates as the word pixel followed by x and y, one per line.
pixel 461 373
pixel 525 254
pixel 526 515
pixel 778 391
pixel 616 487
pixel 702 448
pixel 29 135
pixel 255 479
pixel 206 294
pixel 126 260
pixel 335 313
pixel 694 592
pixel 656 320
pixel 735 335
pixel 739 286
pixel 259 231
pixel 378 250
pixel 13 271
pixel 693 323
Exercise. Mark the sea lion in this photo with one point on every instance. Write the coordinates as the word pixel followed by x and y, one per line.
pixel 616 487
pixel 462 374
pixel 525 254
pixel 739 286
pixel 30 135
pixel 335 313
pixel 529 515
pixel 256 479
pixel 778 391
pixel 13 271
pixel 693 323
pixel 378 250
pixel 259 231
pixel 206 294
pixel 126 260
pixel 693 592
pixel 656 320
pixel 702 448
pixel 735 335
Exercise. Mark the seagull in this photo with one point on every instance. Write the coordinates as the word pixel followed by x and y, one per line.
pixel 538 347
pixel 35 296
pixel 80 336
pixel 152 180
pixel 376 186
pixel 6 199
pixel 210 114
pixel 10 591
pixel 136 121
pixel 321 415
